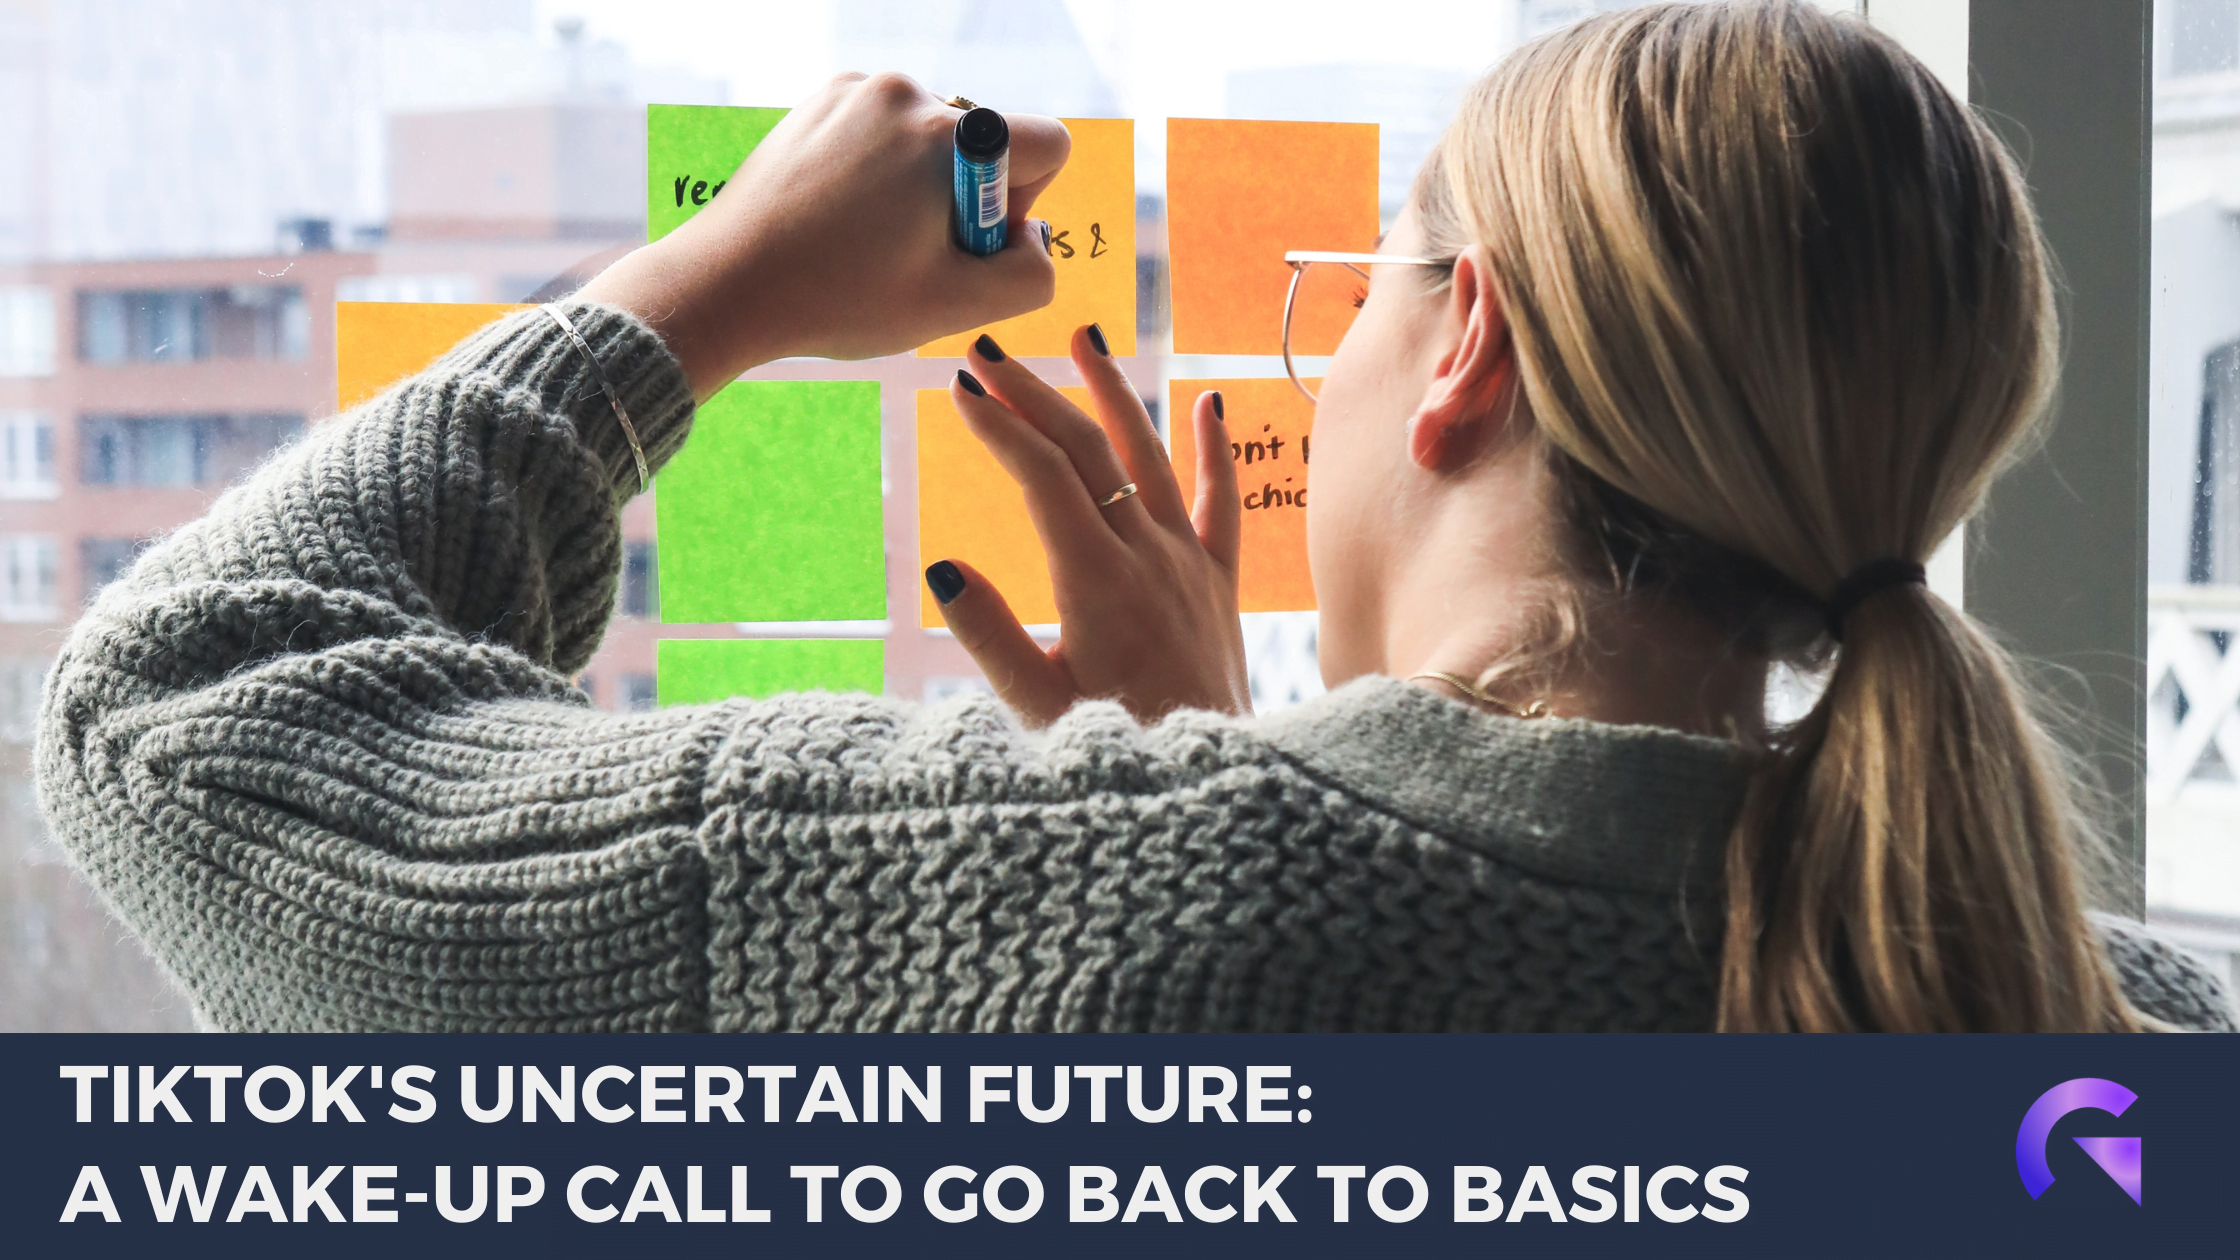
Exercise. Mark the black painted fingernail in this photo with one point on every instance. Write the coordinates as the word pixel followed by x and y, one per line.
pixel 971 384
pixel 1045 236
pixel 987 349
pixel 1218 413
pixel 945 580
pixel 1096 341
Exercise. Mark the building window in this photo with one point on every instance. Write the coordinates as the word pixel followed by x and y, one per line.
pixel 189 325
pixel 27 456
pixel 26 330
pixel 104 560
pixel 2213 545
pixel 177 450
pixel 21 681
pixel 635 693
pixel 2204 36
pixel 641 594
pixel 30 577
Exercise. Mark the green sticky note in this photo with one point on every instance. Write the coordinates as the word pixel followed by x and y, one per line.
pixel 695 671
pixel 772 511
pixel 691 151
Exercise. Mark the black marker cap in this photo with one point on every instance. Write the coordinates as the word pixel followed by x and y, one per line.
pixel 983 135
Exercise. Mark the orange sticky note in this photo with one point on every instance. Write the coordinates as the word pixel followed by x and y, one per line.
pixel 1240 195
pixel 1091 208
pixel 1270 424
pixel 377 344
pixel 970 509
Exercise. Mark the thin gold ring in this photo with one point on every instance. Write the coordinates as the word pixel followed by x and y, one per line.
pixel 1117 495
pixel 959 102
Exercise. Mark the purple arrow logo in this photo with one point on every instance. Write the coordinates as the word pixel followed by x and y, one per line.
pixel 2117 1156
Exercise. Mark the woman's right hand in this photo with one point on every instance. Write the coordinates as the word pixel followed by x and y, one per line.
pixel 1146 586
pixel 834 239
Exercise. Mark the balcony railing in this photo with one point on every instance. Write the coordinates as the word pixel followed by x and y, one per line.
pixel 2193 694
pixel 2193 769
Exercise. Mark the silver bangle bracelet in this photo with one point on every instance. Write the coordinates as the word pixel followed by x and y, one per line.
pixel 614 400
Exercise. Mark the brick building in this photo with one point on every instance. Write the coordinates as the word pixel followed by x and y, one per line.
pixel 140 390
pixel 131 393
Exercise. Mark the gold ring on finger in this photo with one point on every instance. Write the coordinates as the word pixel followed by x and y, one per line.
pixel 960 102
pixel 1117 495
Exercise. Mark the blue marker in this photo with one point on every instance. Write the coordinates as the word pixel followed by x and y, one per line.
pixel 983 179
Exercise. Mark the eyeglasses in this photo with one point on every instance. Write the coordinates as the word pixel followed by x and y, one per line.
pixel 1322 312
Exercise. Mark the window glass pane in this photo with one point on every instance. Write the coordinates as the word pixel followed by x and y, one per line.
pixel 27 456
pixel 639 595
pixel 635 693
pixel 170 263
pixel 30 572
pixel 101 327
pixel 2193 524
pixel 20 682
pixel 186 325
pixel 2204 36
pixel 26 330
pixel 178 450
pixel 102 561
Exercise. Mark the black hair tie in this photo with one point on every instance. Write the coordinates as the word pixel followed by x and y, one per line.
pixel 1865 580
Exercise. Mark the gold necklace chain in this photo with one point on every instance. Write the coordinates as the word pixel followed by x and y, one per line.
pixel 1537 709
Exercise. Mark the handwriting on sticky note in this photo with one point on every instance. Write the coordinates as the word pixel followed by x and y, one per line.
pixel 1240 194
pixel 1062 248
pixel 377 344
pixel 698 671
pixel 702 190
pixel 1271 439
pixel 692 152
pixel 970 509
pixel 1091 209
pixel 772 511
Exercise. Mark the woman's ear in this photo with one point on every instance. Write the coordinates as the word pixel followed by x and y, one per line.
pixel 1462 411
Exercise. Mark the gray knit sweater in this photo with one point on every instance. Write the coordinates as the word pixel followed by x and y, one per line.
pixel 320 751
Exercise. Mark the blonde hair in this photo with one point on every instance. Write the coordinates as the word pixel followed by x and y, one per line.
pixel 1781 309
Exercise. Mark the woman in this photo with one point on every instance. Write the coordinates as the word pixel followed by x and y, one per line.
pixel 1734 314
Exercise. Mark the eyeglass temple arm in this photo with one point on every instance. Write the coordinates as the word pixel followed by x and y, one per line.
pixel 1290 295
pixel 1299 260
pixel 1297 257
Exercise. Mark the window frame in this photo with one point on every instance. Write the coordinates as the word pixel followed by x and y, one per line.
pixel 2057 563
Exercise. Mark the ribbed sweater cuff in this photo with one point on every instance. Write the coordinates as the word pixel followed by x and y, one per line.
pixel 527 350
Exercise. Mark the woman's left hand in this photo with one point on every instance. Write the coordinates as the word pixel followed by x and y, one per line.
pixel 1146 588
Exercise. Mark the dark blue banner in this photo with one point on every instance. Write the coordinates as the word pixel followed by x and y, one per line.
pixel 1093 1146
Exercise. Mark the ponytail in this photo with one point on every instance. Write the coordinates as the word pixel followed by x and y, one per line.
pixel 1904 862
pixel 1781 311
